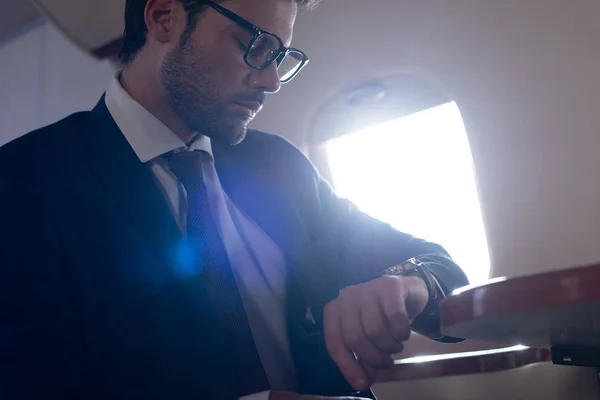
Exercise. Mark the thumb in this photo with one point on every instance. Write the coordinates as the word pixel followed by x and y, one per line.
pixel 370 371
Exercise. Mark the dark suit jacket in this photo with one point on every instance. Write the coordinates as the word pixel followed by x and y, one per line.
pixel 95 302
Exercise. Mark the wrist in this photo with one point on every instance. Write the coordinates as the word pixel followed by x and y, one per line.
pixel 427 318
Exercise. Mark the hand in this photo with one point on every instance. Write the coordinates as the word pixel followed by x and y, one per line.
pixel 371 321
pixel 275 395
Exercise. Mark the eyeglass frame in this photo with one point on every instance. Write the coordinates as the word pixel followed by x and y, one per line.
pixel 282 51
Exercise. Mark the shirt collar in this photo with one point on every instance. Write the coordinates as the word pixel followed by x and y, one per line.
pixel 147 135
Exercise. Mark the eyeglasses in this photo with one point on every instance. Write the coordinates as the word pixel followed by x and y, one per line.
pixel 266 47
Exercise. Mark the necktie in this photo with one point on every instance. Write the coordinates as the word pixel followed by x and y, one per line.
pixel 217 277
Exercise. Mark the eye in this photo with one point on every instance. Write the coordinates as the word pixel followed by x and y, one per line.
pixel 242 45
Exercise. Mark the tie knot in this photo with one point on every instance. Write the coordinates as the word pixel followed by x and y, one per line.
pixel 187 166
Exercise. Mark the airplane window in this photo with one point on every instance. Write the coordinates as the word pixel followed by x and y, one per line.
pixel 416 173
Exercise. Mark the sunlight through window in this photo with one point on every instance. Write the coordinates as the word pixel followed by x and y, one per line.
pixel 416 173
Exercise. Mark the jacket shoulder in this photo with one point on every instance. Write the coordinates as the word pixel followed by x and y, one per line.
pixel 270 139
pixel 277 149
pixel 38 153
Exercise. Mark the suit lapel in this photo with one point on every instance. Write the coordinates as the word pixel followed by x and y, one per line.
pixel 127 180
pixel 129 183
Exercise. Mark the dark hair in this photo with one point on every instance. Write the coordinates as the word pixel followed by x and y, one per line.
pixel 134 36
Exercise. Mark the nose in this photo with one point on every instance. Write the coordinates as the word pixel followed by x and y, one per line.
pixel 266 79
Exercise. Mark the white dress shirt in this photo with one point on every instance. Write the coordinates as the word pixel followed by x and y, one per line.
pixel 257 262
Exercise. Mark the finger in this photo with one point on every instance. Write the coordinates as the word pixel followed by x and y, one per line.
pixel 370 371
pixel 377 327
pixel 356 338
pixel 394 309
pixel 338 350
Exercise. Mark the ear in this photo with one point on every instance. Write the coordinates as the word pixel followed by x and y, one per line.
pixel 160 17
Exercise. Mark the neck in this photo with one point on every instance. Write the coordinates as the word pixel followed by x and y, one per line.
pixel 142 84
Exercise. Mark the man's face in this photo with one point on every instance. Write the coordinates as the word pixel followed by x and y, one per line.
pixel 205 79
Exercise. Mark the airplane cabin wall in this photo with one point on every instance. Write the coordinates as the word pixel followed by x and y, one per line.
pixel 525 75
pixel 43 78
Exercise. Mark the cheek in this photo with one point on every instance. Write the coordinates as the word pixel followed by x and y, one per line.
pixel 232 73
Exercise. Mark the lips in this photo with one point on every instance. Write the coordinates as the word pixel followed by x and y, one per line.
pixel 252 107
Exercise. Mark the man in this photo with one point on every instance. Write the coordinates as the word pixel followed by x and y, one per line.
pixel 154 248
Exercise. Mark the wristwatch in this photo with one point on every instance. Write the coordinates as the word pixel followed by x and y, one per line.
pixel 428 319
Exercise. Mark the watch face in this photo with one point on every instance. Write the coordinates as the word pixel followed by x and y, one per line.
pixel 401 269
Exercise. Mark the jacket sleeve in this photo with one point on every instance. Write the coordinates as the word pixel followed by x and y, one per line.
pixel 366 247
pixel 358 247
pixel 362 246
